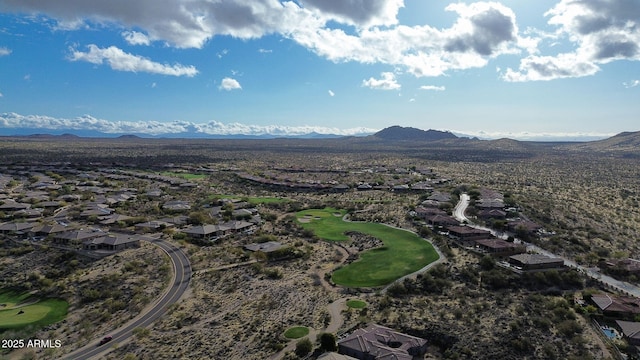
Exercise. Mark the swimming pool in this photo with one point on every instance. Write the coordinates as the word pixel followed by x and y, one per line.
pixel 611 334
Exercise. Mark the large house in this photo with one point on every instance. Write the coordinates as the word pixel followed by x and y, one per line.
pixel 614 305
pixel 377 342
pixel 112 242
pixel 535 262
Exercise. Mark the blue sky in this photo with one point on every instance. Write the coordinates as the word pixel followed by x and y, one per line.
pixel 510 68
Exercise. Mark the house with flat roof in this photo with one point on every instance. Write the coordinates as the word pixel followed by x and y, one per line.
pixel 535 262
pixel 499 247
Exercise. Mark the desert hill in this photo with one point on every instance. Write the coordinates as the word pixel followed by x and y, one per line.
pixel 398 133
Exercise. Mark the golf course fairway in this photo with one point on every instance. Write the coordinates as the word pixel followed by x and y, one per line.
pixel 403 253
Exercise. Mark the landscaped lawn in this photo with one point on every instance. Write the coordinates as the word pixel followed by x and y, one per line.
pixel 403 252
pixel 296 332
pixel 39 313
pixel 356 304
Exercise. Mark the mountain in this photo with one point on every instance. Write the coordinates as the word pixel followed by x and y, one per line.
pixel 625 141
pixel 397 133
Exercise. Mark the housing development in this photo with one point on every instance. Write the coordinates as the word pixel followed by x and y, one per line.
pixel 318 249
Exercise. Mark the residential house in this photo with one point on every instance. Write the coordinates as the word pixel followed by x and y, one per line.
pixel 377 342
pixel 205 232
pixel 441 220
pixel 499 247
pixel 16 227
pixel 527 226
pixel 154 225
pixel 615 305
pixel 488 214
pixel 112 242
pixel 535 262
pixel 631 331
pixel 466 235
pixel 76 237
pixel 176 205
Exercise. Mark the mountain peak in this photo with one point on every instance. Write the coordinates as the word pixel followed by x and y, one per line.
pixel 412 134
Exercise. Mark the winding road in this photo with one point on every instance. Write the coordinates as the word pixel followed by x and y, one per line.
pixel 181 279
pixel 618 285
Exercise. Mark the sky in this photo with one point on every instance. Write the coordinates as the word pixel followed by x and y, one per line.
pixel 564 69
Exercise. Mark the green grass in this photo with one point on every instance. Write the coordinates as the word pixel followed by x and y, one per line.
pixel 36 312
pixel 403 252
pixel 186 176
pixel 356 304
pixel 296 332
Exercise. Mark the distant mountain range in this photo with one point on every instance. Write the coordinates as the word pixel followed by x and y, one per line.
pixel 396 135
pixel 38 133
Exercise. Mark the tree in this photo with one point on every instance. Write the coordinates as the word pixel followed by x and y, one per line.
pixel 303 347
pixel 328 342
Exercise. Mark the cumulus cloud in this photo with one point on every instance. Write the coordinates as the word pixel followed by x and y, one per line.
pixel 482 30
pixel 229 84
pixel 386 82
pixel 4 51
pixel 136 38
pixel 154 128
pixel 362 13
pixel 601 31
pixel 432 88
pixel 122 61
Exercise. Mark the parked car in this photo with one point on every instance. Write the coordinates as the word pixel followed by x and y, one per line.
pixel 105 340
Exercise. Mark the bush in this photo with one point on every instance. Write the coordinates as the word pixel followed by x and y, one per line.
pixel 303 347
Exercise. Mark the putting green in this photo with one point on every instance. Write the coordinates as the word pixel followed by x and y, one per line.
pixel 403 253
pixel 296 332
pixel 19 310
pixel 356 304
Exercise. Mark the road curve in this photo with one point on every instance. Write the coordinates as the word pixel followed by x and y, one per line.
pixel 182 271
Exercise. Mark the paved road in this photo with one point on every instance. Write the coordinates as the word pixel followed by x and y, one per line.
pixel 182 271
pixel 594 273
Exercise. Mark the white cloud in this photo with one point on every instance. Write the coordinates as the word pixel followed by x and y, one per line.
pixel 566 65
pixel 331 93
pixel 432 88
pixel 631 84
pixel 4 51
pixel 387 82
pixel 154 128
pixel 265 51
pixel 482 30
pixel 367 31
pixel 136 38
pixel 1 95
pixel 229 84
pixel 600 31
pixel 119 60
pixel 362 13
